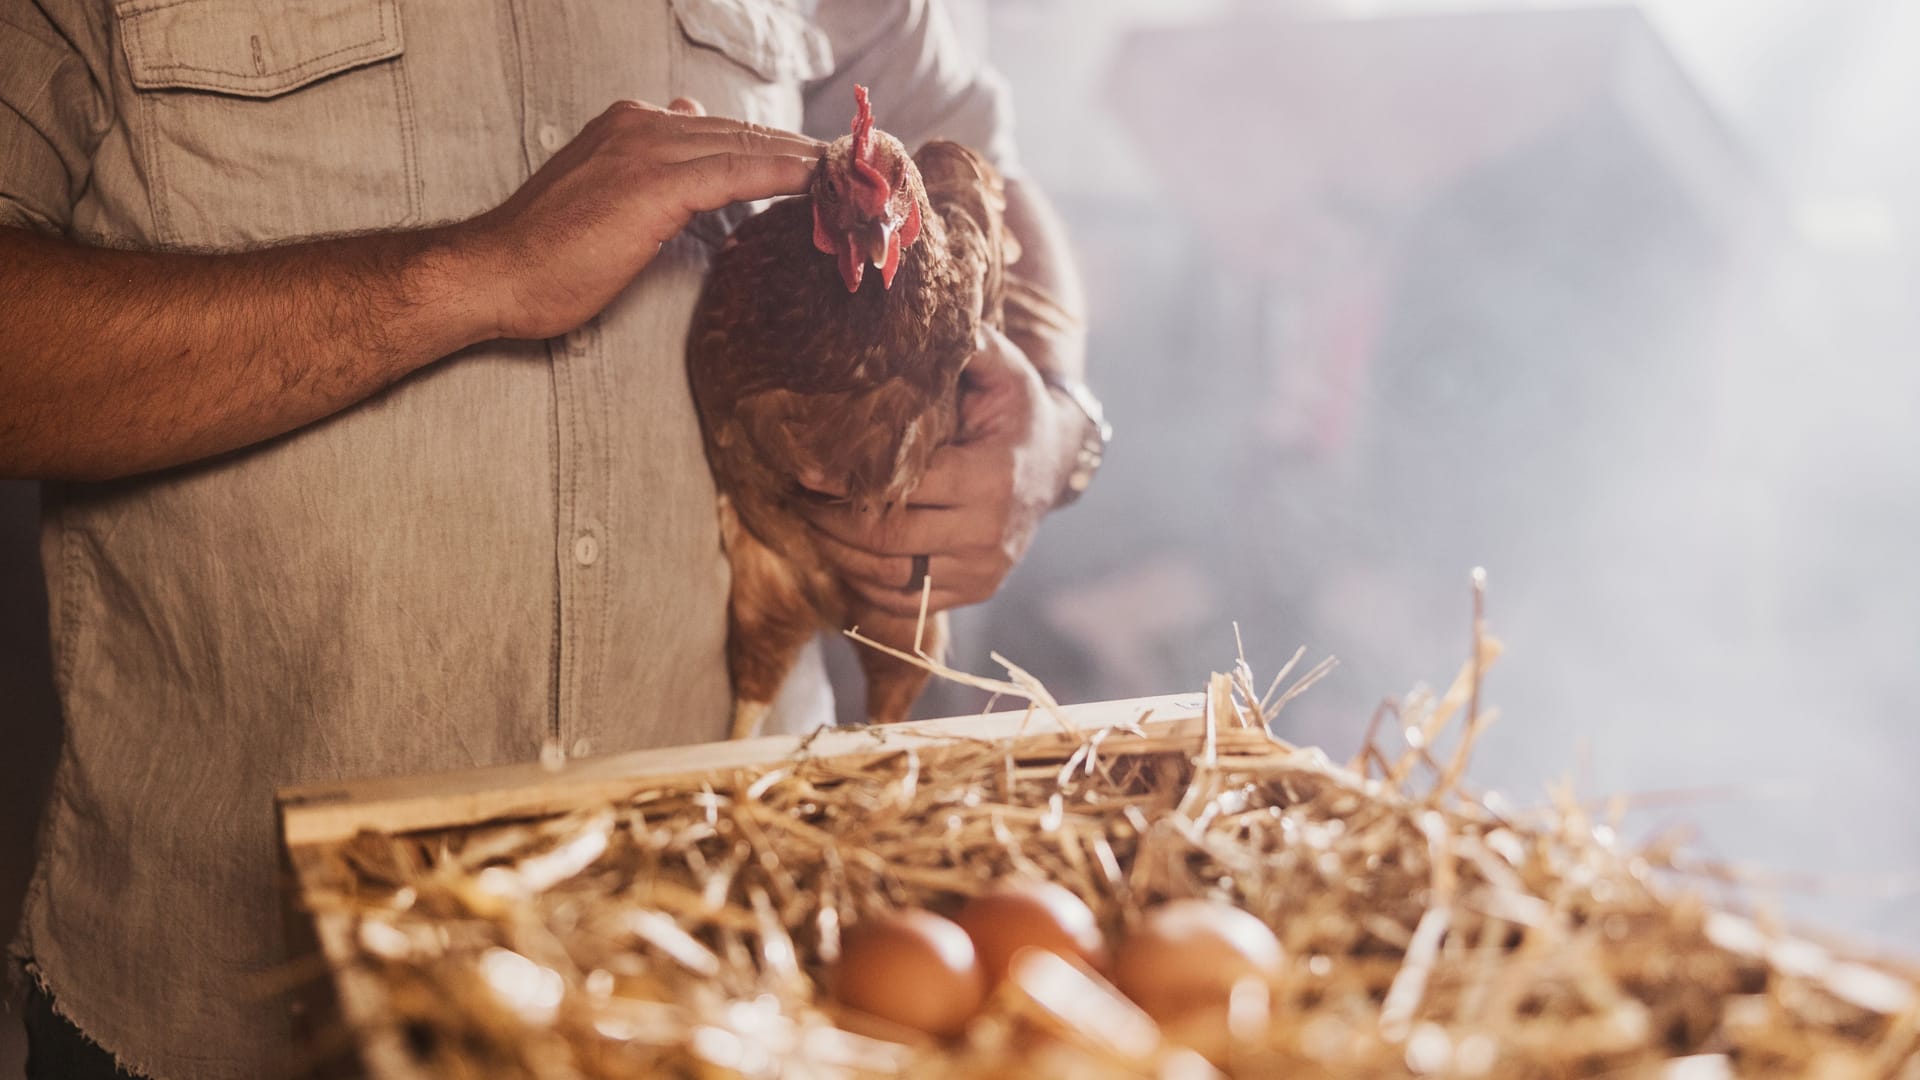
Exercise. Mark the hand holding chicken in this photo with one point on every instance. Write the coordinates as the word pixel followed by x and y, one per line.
pixel 976 509
pixel 868 423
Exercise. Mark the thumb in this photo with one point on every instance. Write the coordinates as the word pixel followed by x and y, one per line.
pixel 996 363
pixel 690 106
pixel 997 388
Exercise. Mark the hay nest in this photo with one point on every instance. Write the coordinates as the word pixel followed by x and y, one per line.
pixel 685 931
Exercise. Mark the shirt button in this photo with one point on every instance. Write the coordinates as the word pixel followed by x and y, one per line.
pixel 577 338
pixel 586 550
pixel 551 137
pixel 581 748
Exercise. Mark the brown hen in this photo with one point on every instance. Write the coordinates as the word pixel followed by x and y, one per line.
pixel 805 364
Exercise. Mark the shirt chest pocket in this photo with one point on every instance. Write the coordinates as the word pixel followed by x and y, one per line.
pixel 262 122
pixel 747 58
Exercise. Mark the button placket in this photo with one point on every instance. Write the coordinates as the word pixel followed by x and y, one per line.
pixel 579 339
pixel 550 33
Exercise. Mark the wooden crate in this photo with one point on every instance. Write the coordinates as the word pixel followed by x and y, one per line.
pixel 316 816
pixel 1365 872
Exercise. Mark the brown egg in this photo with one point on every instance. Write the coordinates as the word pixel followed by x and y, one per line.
pixel 1186 955
pixel 1017 914
pixel 913 968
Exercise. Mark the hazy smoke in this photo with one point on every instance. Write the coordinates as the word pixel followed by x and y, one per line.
pixel 1649 360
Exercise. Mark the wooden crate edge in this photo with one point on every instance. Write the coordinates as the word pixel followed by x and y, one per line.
pixel 329 812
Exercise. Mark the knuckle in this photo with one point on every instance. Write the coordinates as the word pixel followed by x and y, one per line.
pixel 1004 560
pixel 740 165
pixel 998 480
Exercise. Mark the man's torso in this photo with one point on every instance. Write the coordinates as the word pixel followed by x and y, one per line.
pixel 511 553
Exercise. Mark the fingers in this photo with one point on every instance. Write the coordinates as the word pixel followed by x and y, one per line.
pixel 960 570
pixel 883 571
pixel 711 182
pixel 952 479
pixel 906 532
pixel 711 160
pixel 715 134
pixel 906 604
pixel 996 359
pixel 683 131
pixel 955 477
pixel 885 583
pixel 999 388
pixel 884 579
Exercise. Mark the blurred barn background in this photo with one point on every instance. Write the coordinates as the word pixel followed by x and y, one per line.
pixel 1616 301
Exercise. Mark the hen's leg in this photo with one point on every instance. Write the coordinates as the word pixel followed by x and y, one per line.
pixel 769 621
pixel 893 685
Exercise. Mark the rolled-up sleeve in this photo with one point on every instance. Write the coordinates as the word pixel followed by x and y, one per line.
pixel 52 115
pixel 925 82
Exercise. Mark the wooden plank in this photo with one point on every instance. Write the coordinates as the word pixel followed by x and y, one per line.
pixel 323 813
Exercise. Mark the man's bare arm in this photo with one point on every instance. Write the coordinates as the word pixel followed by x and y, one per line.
pixel 119 362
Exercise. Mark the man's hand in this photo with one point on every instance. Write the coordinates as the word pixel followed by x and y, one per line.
pixel 559 249
pixel 975 512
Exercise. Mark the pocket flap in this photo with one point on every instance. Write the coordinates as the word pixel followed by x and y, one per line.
pixel 253 49
pixel 773 41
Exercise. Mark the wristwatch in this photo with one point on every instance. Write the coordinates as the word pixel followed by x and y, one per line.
pixel 1093 446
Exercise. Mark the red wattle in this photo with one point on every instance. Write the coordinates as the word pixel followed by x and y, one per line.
pixel 852 266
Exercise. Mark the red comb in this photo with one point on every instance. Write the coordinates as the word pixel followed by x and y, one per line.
pixel 871 191
pixel 862 125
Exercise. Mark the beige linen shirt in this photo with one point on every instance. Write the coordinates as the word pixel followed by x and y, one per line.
pixel 512 552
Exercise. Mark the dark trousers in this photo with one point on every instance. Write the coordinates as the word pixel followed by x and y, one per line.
pixel 56 1050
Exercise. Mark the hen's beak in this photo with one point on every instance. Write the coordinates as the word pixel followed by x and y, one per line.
pixel 879 241
pixel 875 242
